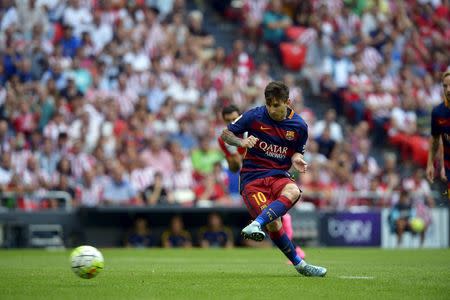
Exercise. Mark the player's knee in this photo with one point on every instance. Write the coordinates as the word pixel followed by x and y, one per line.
pixel 292 192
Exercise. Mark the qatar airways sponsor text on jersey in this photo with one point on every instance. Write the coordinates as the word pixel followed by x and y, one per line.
pixel 277 142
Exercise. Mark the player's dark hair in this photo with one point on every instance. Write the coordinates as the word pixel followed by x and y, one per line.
pixel 276 90
pixel 230 109
pixel 445 74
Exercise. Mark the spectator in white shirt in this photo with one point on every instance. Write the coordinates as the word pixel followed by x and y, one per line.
pixel 137 58
pixel 6 171
pixel 334 127
pixel 10 17
pixel 77 16
pixel 101 33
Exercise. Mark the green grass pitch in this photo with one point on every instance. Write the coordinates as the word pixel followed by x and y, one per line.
pixel 228 274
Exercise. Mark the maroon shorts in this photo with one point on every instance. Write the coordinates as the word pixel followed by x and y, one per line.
pixel 259 193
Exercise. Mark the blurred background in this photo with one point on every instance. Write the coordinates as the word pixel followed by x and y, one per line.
pixel 110 113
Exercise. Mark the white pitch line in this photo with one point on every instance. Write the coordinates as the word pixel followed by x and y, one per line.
pixel 357 277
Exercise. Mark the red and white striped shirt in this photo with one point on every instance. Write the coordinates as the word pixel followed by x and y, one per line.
pixel 142 178
pixel 89 196
pixel 19 160
pixel 381 104
pixel 126 101
pixel 80 163
pixel 52 130
pixel 182 179
pixel 370 59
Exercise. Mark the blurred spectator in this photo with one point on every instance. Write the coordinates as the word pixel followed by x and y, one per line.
pixel 176 236
pixel 157 193
pixel 185 137
pixel 379 104
pixel 85 86
pixel 140 236
pixel 253 15
pixel 389 174
pixel 325 143
pixel 212 190
pixel 329 122
pixel 158 157
pixel 69 43
pixel 78 16
pixel 6 171
pixel 201 37
pixel 183 184
pixel 118 190
pixel 312 154
pixel 401 216
pixel 90 192
pixel 274 24
pixel 100 32
pixel 64 184
pixel 215 234
pixel 204 157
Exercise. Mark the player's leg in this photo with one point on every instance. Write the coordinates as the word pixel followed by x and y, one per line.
pixel 289 195
pixel 255 196
pixel 284 243
pixel 286 220
pixel 400 226
pixel 281 239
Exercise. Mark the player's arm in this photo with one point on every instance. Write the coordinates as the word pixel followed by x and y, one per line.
pixel 234 162
pixel 435 142
pixel 298 160
pixel 238 127
pixel 441 160
pixel 231 139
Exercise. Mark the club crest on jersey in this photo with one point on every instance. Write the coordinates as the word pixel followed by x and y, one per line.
pixel 290 135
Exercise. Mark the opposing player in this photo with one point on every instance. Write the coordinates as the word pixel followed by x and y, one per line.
pixel 234 155
pixel 440 133
pixel 276 140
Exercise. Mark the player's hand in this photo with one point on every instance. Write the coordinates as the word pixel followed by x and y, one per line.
pixel 249 142
pixel 443 175
pixel 430 173
pixel 300 164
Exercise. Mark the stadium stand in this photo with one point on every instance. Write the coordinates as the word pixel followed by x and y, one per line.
pixel 114 102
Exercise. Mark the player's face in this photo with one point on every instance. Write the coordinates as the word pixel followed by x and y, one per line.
pixel 446 86
pixel 228 118
pixel 277 109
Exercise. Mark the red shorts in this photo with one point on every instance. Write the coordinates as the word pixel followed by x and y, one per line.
pixel 259 193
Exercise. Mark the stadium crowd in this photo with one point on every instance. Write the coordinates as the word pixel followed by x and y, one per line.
pixel 119 102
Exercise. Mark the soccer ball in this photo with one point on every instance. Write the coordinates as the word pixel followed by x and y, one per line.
pixel 417 225
pixel 86 261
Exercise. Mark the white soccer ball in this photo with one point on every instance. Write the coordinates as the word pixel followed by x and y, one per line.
pixel 86 261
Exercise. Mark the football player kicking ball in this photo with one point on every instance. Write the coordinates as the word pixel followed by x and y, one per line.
pixel 234 155
pixel 440 133
pixel 276 140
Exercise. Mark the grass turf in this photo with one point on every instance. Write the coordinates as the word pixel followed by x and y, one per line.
pixel 228 274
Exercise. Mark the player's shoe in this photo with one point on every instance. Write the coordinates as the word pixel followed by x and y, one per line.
pixel 309 270
pixel 253 231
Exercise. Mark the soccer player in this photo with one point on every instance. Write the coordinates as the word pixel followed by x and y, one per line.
pixel 440 133
pixel 234 154
pixel 276 140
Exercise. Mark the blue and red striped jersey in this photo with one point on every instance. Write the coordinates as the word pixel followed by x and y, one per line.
pixel 440 125
pixel 277 143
